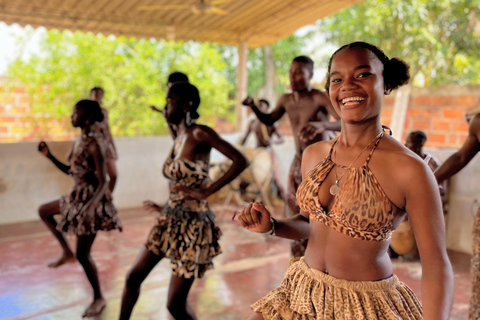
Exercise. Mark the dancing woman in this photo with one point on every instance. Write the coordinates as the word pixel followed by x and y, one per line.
pixel 88 208
pixel 356 190
pixel 186 232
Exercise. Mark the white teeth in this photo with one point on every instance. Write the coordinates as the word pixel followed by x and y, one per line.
pixel 350 99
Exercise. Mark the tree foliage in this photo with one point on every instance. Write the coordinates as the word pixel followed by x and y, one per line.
pixel 132 72
pixel 439 39
pixel 283 53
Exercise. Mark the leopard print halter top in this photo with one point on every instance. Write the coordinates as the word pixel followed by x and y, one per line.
pixel 360 209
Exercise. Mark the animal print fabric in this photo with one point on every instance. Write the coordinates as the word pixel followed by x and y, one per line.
pixel 298 247
pixel 475 271
pixel 82 169
pixel 309 294
pixel 186 231
pixel 360 209
pixel 104 135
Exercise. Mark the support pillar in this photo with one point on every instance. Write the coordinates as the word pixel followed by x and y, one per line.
pixel 399 113
pixel 242 83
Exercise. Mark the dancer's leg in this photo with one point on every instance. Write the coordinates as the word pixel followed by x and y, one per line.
pixel 46 212
pixel 84 246
pixel 145 262
pixel 177 298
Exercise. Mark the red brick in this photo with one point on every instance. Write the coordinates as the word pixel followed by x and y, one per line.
pixel 17 130
pixel 437 138
pixel 7 119
pixel 461 138
pixel 433 113
pixel 15 109
pixel 19 90
pixel 386 112
pixel 453 114
pixel 423 101
pixel 441 125
pixel 413 112
pixel 421 124
pixel 442 101
pixel 460 126
pixel 7 98
pixel 452 139
pixel 24 99
pixel 465 101
pixel 389 101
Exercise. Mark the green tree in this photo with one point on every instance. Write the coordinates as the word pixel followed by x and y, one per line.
pixel 132 72
pixel 439 39
pixel 283 51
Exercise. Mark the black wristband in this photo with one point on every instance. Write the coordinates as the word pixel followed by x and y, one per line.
pixel 274 226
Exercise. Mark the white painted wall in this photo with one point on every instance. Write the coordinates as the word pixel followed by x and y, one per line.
pixel 464 193
pixel 27 179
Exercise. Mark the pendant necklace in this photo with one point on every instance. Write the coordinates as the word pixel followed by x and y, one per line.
pixel 334 188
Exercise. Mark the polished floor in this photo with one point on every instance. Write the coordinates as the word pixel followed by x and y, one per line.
pixel 250 266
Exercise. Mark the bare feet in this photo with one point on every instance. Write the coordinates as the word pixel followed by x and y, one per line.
pixel 95 308
pixel 69 258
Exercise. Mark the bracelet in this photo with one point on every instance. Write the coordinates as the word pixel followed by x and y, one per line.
pixel 274 226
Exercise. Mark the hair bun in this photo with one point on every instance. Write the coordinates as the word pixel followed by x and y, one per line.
pixel 397 73
pixel 194 114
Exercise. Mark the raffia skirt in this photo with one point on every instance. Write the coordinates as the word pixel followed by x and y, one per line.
pixel 188 239
pixel 309 294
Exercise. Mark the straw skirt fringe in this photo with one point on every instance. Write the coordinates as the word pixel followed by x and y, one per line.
pixel 309 294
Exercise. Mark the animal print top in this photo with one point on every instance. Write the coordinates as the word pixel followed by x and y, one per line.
pixel 186 173
pixel 360 209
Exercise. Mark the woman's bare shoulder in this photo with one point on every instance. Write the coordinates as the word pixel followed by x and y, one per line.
pixel 315 153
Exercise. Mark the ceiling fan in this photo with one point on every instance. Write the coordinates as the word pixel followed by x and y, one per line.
pixel 197 8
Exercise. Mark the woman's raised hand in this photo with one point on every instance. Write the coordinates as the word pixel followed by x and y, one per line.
pixel 190 193
pixel 43 149
pixel 255 217
pixel 151 206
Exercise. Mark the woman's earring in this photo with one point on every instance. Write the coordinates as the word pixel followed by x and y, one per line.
pixel 188 118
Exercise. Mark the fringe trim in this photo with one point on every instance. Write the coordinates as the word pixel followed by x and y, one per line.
pixel 309 294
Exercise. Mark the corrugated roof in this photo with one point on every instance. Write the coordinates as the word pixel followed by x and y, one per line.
pixel 257 22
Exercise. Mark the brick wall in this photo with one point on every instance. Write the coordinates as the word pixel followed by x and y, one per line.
pixel 18 123
pixel 439 112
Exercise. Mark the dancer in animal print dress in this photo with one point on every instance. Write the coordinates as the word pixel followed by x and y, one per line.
pixel 186 232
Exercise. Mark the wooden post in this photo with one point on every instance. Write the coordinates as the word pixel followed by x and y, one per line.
pixel 242 82
pixel 270 76
pixel 399 113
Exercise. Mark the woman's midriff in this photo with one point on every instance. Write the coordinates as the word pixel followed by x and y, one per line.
pixel 344 257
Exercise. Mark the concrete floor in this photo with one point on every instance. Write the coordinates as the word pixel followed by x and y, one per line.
pixel 250 266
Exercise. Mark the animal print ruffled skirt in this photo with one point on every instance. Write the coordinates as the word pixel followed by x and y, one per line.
pixel 189 239
pixel 309 294
pixel 475 271
pixel 73 215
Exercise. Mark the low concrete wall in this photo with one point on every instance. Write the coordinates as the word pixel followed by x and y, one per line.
pixel 27 179
pixel 463 194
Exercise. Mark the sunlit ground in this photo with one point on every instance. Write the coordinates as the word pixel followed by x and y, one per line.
pixel 250 266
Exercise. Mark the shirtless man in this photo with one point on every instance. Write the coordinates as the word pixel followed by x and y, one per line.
pixel 263 133
pixel 303 106
pixel 451 166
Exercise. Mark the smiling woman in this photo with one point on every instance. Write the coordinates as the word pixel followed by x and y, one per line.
pixel 355 191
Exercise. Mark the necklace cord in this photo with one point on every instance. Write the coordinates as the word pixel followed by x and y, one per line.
pixel 350 165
